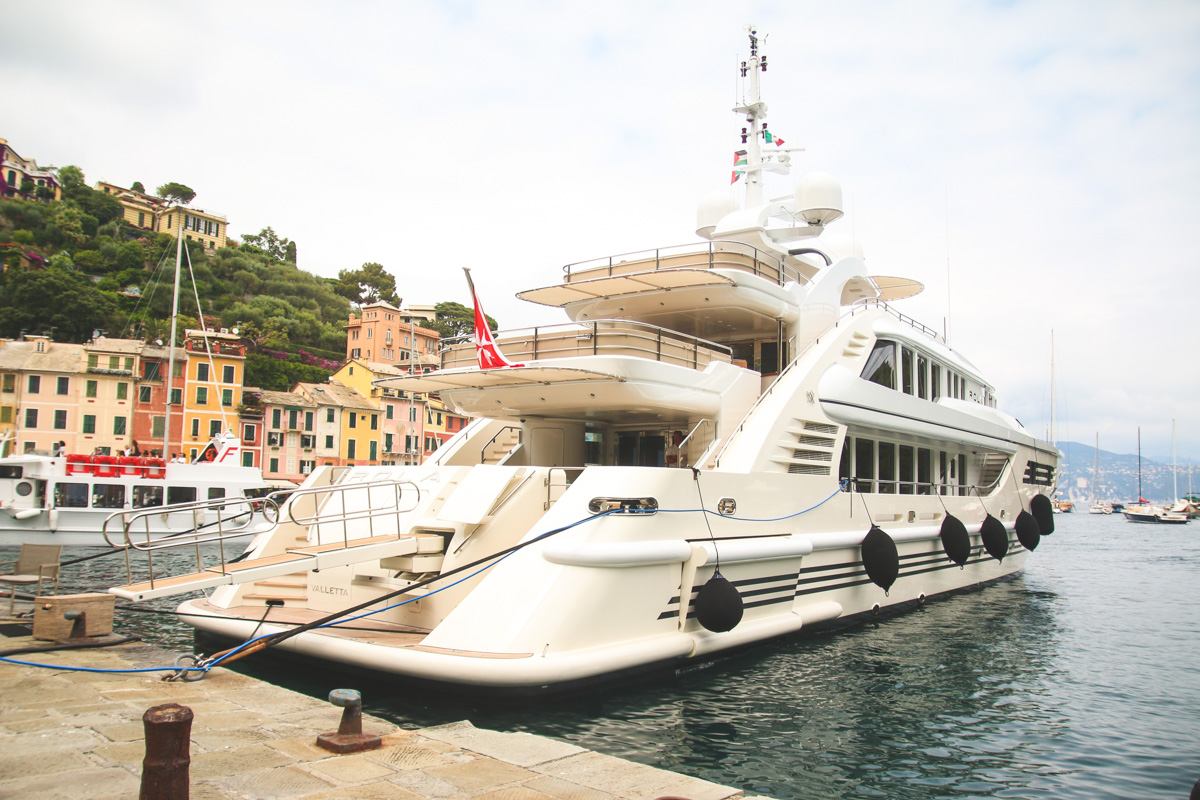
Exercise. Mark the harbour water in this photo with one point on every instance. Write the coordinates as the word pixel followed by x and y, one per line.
pixel 1079 678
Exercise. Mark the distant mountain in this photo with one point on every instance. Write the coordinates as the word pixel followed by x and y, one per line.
pixel 1118 476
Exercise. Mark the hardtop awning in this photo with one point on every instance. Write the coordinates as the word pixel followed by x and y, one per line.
pixel 633 283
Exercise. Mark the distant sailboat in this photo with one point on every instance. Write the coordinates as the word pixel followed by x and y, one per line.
pixel 1097 507
pixel 1144 511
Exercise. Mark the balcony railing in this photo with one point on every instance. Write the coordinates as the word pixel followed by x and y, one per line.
pixel 607 337
pixel 714 255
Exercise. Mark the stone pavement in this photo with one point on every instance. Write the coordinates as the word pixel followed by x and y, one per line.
pixel 79 736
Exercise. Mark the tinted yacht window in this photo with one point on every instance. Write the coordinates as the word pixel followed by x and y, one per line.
pixel 881 365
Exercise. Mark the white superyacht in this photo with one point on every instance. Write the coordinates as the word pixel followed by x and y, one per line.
pixel 725 442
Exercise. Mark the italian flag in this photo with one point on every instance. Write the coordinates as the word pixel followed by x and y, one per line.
pixel 771 138
pixel 739 160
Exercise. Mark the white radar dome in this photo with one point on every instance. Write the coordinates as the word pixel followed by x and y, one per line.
pixel 713 208
pixel 818 198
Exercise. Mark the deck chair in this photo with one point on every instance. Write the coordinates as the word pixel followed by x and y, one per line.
pixel 35 563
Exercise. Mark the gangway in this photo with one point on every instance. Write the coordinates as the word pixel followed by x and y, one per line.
pixel 315 555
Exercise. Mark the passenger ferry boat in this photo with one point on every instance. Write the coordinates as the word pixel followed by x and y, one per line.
pixel 834 459
pixel 68 499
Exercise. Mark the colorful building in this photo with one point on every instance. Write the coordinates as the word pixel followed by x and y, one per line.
pixel 402 414
pixel 389 335
pixel 212 387
pixel 24 179
pixel 152 213
pixel 289 449
pixel 347 424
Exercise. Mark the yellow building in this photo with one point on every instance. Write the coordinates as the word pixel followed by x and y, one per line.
pixel 108 394
pixel 401 413
pixel 152 213
pixel 23 178
pixel 347 423
pixel 212 386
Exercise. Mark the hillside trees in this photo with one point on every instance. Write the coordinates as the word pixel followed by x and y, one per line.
pixel 66 303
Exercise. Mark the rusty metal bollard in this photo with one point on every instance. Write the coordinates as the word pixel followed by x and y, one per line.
pixel 349 737
pixel 168 741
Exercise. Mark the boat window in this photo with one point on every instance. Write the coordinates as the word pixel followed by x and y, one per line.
pixel 10 471
pixel 70 495
pixel 181 494
pixel 881 365
pixel 962 475
pixel 906 469
pixel 887 468
pixel 216 492
pixel 924 471
pixel 922 377
pixel 864 464
pixel 936 381
pixel 908 372
pixel 147 496
pixel 108 495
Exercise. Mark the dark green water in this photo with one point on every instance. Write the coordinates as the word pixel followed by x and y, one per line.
pixel 1079 678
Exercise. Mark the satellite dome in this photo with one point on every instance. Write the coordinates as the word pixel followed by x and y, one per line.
pixel 818 198
pixel 714 207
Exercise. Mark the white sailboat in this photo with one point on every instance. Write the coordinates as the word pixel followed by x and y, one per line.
pixel 840 460
pixel 1096 506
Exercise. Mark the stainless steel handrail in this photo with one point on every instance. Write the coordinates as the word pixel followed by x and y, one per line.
pixel 249 510
pixel 766 264
pixel 490 442
pixel 320 515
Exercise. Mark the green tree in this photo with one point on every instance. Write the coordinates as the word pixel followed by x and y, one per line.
pixel 176 192
pixel 368 284
pixel 455 319
pixel 68 302
pixel 269 243
pixel 104 207
pixel 138 187
pixel 71 179
pixel 131 255
pixel 289 253
pixel 69 222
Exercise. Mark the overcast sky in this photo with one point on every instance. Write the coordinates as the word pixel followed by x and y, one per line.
pixel 1034 164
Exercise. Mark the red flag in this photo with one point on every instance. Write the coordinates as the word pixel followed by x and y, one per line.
pixel 486 349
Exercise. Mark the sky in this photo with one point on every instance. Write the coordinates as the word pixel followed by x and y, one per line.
pixel 1035 164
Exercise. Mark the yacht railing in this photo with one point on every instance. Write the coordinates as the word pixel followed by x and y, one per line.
pixel 608 337
pixel 319 498
pixel 236 517
pixel 483 451
pixel 714 255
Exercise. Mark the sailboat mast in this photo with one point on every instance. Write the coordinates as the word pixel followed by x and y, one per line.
pixel 1174 462
pixel 171 347
pixel 1139 463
